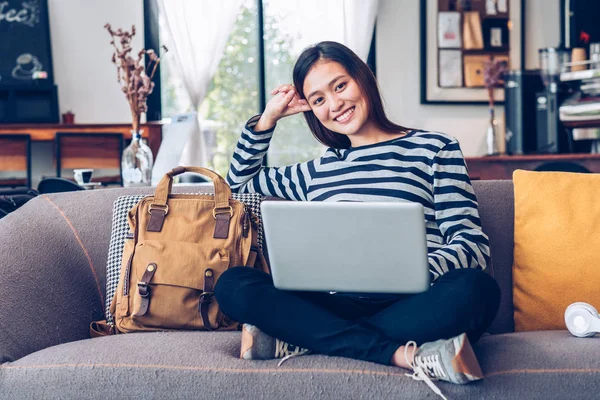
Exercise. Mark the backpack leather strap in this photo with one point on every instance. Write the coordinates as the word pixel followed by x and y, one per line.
pixel 206 297
pixel 222 189
pixel 222 226
pixel 144 289
pixel 159 207
pixel 101 328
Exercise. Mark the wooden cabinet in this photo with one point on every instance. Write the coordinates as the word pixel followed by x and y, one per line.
pixel 502 167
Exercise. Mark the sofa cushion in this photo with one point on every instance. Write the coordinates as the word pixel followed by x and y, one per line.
pixel 77 249
pixel 557 237
pixel 539 365
pixel 206 365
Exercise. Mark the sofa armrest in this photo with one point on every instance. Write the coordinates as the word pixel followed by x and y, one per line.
pixel 50 288
pixel 53 254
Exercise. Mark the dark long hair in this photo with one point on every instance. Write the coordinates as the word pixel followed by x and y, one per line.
pixel 360 72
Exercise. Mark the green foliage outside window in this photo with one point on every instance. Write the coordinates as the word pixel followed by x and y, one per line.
pixel 233 95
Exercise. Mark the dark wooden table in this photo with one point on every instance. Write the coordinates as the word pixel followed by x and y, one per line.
pixel 152 131
pixel 502 166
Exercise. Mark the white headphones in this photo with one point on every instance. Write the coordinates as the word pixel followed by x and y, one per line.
pixel 582 319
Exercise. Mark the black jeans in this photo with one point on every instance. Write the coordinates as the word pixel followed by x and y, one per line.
pixel 370 329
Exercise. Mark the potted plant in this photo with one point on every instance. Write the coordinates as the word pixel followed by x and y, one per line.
pixel 136 83
pixel 68 117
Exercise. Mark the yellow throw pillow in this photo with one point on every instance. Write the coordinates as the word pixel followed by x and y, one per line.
pixel 557 246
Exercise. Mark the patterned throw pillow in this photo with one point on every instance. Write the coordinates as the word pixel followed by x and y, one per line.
pixel 120 228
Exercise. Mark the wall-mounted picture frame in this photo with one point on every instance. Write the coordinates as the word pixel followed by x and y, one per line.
pixel 457 36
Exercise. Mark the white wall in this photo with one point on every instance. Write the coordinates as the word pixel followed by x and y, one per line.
pixel 83 71
pixel 81 52
pixel 87 85
pixel 399 70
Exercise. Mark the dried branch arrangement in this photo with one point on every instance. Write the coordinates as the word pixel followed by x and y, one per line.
pixel 493 73
pixel 134 78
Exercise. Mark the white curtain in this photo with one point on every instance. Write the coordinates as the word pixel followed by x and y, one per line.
pixel 359 22
pixel 198 32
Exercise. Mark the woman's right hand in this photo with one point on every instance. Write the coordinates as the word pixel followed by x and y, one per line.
pixel 285 102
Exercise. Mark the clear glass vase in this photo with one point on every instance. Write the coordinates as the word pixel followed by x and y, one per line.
pixel 136 162
pixel 492 135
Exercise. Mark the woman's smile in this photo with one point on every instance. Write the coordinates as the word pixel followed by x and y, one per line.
pixel 346 116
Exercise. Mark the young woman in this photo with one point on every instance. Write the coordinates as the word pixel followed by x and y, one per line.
pixel 369 159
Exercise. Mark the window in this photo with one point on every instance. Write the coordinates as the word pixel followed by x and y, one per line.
pixel 234 95
pixel 290 26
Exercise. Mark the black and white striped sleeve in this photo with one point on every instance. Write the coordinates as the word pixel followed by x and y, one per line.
pixel 457 215
pixel 248 175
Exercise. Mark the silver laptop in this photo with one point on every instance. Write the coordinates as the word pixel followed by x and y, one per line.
pixel 356 247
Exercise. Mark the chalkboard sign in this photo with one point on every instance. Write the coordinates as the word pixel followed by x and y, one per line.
pixel 25 52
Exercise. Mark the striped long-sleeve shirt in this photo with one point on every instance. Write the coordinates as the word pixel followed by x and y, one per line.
pixel 423 167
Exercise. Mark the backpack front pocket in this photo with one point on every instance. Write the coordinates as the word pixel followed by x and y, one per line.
pixel 168 279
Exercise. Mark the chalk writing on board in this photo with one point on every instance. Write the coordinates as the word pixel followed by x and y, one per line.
pixel 28 14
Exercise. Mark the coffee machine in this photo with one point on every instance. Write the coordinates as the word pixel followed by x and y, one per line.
pixel 551 134
pixel 552 137
pixel 520 93
pixel 532 106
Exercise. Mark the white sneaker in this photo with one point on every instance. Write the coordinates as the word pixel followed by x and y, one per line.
pixel 451 360
pixel 257 345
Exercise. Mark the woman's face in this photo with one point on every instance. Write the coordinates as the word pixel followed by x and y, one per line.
pixel 335 98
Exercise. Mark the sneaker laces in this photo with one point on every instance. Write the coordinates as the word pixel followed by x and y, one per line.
pixel 425 368
pixel 282 349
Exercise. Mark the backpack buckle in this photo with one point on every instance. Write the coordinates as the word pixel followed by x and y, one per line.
pixel 206 297
pixel 225 210
pixel 143 289
pixel 160 207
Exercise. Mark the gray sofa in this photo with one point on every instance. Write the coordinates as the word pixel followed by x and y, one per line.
pixel 53 255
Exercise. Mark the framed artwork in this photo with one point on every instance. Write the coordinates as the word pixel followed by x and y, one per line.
pixel 458 37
